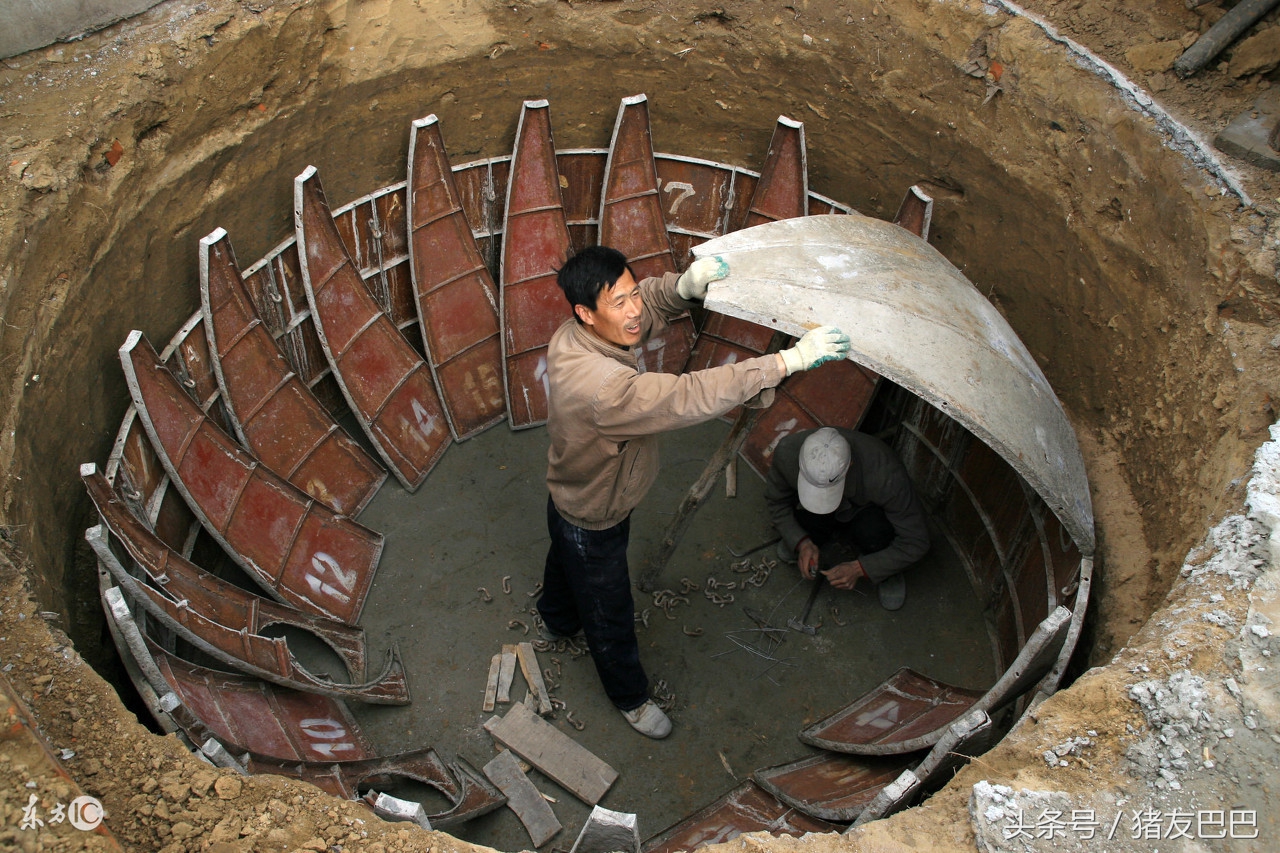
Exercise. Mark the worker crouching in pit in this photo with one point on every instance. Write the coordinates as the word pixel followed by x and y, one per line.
pixel 604 417
pixel 844 507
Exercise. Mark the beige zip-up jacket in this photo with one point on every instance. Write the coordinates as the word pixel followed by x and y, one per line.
pixel 604 416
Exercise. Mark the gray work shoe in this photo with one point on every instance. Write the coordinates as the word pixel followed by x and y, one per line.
pixel 892 592
pixel 785 554
pixel 649 720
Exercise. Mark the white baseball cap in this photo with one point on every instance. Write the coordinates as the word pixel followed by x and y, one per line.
pixel 824 462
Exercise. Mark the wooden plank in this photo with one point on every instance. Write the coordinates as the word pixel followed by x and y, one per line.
pixel 522 797
pixel 533 676
pixel 491 687
pixel 506 673
pixel 554 753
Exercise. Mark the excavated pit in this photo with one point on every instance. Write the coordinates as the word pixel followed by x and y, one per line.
pixel 1123 266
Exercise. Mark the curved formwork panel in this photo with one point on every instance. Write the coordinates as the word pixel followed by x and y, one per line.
pixel 253 727
pixel 780 192
pixel 535 244
pixel 228 604
pixel 746 808
pixel 915 319
pixel 631 221
pixel 384 380
pixel 270 409
pixel 783 191
pixel 456 298
pixel 298 549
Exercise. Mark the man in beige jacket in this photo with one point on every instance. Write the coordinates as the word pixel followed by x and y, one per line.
pixel 604 418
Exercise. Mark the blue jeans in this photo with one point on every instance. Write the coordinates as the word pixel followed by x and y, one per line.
pixel 586 586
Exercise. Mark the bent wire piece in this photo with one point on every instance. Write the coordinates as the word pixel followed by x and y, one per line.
pixel 535 244
pixel 271 410
pixel 746 808
pixel 909 711
pixel 224 621
pixel 917 321
pixel 299 550
pixel 840 787
pixel 387 384
pixel 456 298
pixel 631 221
pixel 255 727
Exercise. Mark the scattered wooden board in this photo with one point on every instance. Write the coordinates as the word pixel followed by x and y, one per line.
pixel 533 676
pixel 491 687
pixel 554 753
pixel 507 672
pixel 522 797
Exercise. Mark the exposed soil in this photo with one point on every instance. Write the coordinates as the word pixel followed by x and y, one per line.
pixel 1166 458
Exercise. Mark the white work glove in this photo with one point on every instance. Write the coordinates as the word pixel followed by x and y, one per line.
pixel 818 346
pixel 692 286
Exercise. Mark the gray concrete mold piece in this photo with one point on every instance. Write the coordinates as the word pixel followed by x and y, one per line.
pixel 916 320
pixel 31 24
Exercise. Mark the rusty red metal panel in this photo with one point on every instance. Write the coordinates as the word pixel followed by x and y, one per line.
pixel 820 206
pixel 457 301
pixel 696 198
pixel 631 221
pixel 297 548
pixel 832 786
pixel 226 603
pixel 404 304
pixel 747 808
pixel 915 213
pixel 271 410
pixel 908 711
pixel 388 386
pixel 1061 553
pixel 783 190
pixel 469 794
pixel 249 715
pixel 189 357
pixel 535 244
pixel 582 179
pixel 482 191
pixel 220 621
pixel 835 394
pixel 307 737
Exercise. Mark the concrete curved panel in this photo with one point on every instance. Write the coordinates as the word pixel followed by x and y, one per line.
pixel 917 320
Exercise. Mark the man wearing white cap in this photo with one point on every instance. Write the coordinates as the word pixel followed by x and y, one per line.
pixel 844 506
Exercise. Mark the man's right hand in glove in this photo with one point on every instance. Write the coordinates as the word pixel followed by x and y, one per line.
pixel 818 346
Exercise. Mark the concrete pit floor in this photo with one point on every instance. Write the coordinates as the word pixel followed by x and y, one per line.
pixel 480 517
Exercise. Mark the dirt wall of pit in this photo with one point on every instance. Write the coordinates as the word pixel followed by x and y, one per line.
pixel 1143 288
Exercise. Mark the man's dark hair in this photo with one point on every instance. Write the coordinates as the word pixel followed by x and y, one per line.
pixel 588 272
